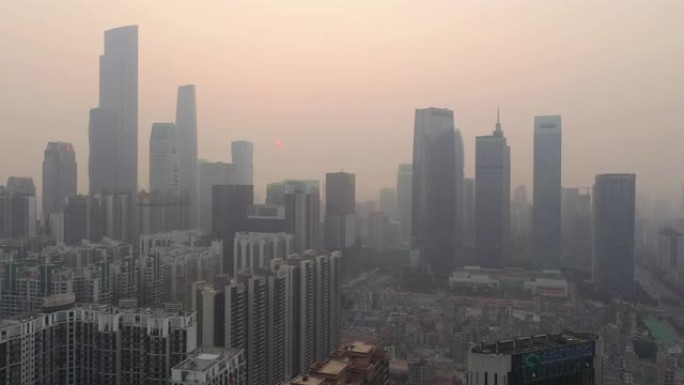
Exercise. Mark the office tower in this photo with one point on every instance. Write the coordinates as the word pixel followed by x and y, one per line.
pixel 255 251
pixel 521 220
pixel 186 125
pixel 536 359
pixel 230 204
pixel 459 205
pixel 164 166
pixel 546 233
pixel 21 185
pixel 211 174
pixel 209 366
pixel 113 130
pixel 434 196
pixel 378 230
pixel 102 159
pixel 492 197
pixel 275 193
pixel 357 363
pixel 59 177
pixel 340 208
pixel 576 228
pixel 614 232
pixel 242 152
pixel 76 220
pixel 469 212
pixel 302 213
pixel 265 218
pixel 96 345
pixel 160 212
pixel 111 216
pixel 671 248
pixel 388 202
pixel 18 209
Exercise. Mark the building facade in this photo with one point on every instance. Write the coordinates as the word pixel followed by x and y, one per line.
pixel 242 153
pixel 99 345
pixel 59 177
pixel 492 198
pixel 186 125
pixel 614 232
pixel 211 367
pixel 434 195
pixel 546 232
pixel 113 130
pixel 164 159
pixel 211 174
pixel 340 209
pixel 548 359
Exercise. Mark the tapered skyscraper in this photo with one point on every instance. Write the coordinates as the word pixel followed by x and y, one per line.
pixel 114 125
pixel 434 185
pixel 186 125
pixel 492 197
pixel 59 177
pixel 547 192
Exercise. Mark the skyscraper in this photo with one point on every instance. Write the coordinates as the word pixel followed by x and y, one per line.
pixel 614 227
pixel 469 212
pixel 388 202
pixel 164 159
pixel 434 185
pixel 242 152
pixel 211 174
pixel 405 200
pixel 547 192
pixel 492 197
pixel 186 125
pixel 230 204
pixel 114 125
pixel 302 213
pixel 340 208
pixel 59 177
pixel 459 205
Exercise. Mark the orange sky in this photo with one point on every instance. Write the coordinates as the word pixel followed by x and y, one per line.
pixel 337 80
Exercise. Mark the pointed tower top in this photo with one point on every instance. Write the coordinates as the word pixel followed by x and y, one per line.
pixel 497 130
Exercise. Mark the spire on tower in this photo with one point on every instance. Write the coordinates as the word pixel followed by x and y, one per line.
pixel 497 130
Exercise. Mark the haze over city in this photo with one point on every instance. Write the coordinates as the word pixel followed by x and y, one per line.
pixel 338 81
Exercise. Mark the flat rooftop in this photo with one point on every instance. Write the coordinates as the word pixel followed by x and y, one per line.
pixel 199 363
pixel 533 343
pixel 333 367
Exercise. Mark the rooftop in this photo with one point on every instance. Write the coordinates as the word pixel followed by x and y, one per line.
pixel 333 367
pixel 533 343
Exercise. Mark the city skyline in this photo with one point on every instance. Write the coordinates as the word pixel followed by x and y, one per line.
pixel 222 114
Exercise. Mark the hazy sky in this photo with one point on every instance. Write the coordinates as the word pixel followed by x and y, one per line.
pixel 338 80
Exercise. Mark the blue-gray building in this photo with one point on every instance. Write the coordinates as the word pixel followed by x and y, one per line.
pixel 614 226
pixel 492 197
pixel 546 217
pixel 434 185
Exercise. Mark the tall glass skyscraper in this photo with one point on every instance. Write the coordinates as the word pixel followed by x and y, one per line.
pixel 492 197
pixel 434 185
pixel 614 227
pixel 547 192
pixel 114 125
pixel 188 168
